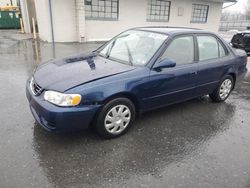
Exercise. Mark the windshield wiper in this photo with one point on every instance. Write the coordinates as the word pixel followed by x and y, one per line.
pixel 129 54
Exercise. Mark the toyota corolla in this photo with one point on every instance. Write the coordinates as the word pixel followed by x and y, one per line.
pixel 139 70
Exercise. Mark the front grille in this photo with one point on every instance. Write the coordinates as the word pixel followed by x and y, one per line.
pixel 35 88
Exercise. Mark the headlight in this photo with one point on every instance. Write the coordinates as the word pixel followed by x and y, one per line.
pixel 62 99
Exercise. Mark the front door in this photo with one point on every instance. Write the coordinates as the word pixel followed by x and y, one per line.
pixel 171 85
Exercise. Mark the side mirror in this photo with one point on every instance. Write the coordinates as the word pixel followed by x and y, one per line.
pixel 165 63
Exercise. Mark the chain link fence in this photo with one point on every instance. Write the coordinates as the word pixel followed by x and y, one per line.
pixel 240 25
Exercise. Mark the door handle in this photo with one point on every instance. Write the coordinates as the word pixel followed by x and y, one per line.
pixel 193 73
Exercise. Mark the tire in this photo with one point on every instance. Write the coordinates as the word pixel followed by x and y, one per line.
pixel 115 118
pixel 222 92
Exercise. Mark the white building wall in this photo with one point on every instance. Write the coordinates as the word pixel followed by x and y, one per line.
pixel 80 20
pixel 133 14
pixel 63 17
pixel 43 19
pixel 64 20
pixel 70 24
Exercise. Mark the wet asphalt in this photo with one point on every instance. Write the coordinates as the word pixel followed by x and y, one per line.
pixel 197 143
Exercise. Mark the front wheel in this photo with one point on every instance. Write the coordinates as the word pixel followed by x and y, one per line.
pixel 115 118
pixel 222 92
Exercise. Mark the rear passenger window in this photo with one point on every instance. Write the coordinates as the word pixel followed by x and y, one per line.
pixel 180 50
pixel 208 47
pixel 221 50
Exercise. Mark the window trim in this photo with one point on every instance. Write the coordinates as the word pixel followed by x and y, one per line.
pixel 149 3
pixel 199 22
pixel 168 43
pixel 219 44
pixel 218 41
pixel 223 46
pixel 102 18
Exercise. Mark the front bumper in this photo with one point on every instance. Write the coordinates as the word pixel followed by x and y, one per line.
pixel 60 119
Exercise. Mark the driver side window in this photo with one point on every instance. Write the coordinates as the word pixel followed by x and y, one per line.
pixel 181 50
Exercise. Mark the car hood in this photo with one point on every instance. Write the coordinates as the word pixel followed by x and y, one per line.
pixel 64 74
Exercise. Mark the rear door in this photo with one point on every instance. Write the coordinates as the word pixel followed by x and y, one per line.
pixel 214 62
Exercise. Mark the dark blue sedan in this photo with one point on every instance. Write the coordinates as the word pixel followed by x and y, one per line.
pixel 139 70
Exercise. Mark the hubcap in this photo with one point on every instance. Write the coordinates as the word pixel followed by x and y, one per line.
pixel 225 88
pixel 117 119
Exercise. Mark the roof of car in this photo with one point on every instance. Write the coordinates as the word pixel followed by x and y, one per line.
pixel 245 32
pixel 171 30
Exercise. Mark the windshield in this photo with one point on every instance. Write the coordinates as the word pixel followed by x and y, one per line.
pixel 134 47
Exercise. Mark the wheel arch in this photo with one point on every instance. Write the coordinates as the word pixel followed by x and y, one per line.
pixel 133 98
pixel 234 77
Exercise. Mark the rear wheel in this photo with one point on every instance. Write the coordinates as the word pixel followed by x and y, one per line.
pixel 222 92
pixel 115 118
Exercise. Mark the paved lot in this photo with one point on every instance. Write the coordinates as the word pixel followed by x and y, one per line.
pixel 194 144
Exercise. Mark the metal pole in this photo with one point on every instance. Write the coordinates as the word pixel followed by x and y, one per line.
pixel 51 22
pixel 21 23
pixel 34 27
